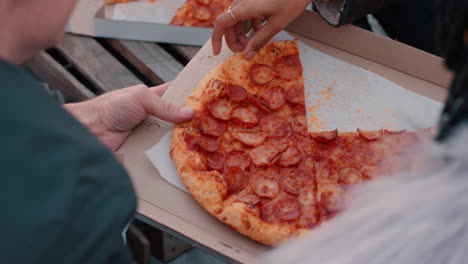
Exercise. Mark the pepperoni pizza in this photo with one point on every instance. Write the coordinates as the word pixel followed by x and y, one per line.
pixel 194 13
pixel 249 160
pixel 200 13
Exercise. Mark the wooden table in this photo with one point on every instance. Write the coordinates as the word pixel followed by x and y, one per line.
pixel 84 67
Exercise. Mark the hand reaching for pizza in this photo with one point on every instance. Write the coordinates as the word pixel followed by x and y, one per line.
pixel 112 116
pixel 277 14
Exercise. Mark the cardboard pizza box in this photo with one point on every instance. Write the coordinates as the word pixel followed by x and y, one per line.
pixel 96 19
pixel 171 208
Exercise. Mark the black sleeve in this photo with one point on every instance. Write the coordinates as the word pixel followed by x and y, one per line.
pixel 453 42
pixel 341 12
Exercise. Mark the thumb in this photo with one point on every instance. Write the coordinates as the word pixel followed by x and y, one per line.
pixel 160 89
pixel 241 11
pixel 272 27
pixel 167 111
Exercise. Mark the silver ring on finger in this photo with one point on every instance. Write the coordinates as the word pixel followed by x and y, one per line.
pixel 232 14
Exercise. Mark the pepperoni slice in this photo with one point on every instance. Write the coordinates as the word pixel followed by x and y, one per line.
pixel 213 161
pixel 264 155
pixel 273 97
pixel 280 143
pixel 261 74
pixel 292 181
pixel 245 116
pixel 235 179
pixel 288 67
pixel 264 185
pixel 237 158
pixel 258 104
pixel 210 126
pixel 274 126
pixel 266 212
pixel 303 144
pixel 308 164
pixel 202 13
pixel 392 132
pixel 248 196
pixel 216 8
pixel 325 137
pixel 299 125
pixel 287 209
pixel 309 216
pixel 207 144
pixel 330 203
pixel 295 95
pixel 290 157
pixel 249 138
pixel 370 135
pixel 350 175
pixel 236 93
pixel 220 109
pixel 190 134
pixel 204 2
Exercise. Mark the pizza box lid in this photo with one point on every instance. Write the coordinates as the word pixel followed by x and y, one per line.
pixel 95 18
pixel 171 208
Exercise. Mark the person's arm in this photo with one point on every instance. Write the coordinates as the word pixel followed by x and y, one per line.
pixel 278 14
pixel 111 117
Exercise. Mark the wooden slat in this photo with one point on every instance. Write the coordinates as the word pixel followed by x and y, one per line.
pixel 150 59
pixel 49 71
pixel 188 52
pixel 104 71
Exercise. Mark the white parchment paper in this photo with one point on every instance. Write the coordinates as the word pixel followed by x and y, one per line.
pixel 159 11
pixel 160 158
pixel 338 95
pixel 341 95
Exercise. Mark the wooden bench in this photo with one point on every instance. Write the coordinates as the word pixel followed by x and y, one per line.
pixel 83 67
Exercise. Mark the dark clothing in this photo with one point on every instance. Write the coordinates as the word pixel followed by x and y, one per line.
pixel 453 43
pixel 64 197
pixel 341 12
pixel 412 22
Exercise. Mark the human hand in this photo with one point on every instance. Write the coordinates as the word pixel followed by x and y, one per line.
pixel 112 116
pixel 277 13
